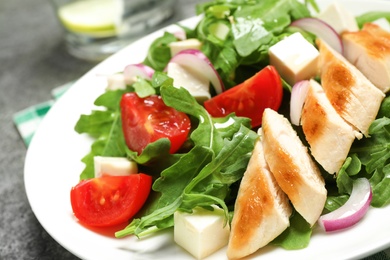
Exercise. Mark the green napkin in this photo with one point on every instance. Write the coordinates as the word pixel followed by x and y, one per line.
pixel 28 120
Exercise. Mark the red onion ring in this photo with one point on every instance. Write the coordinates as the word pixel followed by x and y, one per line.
pixel 352 211
pixel 200 64
pixel 298 96
pixel 322 30
pixel 132 71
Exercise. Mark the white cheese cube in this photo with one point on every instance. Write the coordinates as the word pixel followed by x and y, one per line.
pixel 294 58
pixel 115 166
pixel 116 81
pixel 201 233
pixel 339 18
pixel 179 46
pixel 198 85
pixel 383 23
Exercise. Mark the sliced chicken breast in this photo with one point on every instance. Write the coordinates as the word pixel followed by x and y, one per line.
pixel 292 166
pixel 262 210
pixel 329 136
pixel 369 50
pixel 353 96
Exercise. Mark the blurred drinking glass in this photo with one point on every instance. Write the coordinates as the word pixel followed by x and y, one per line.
pixel 95 29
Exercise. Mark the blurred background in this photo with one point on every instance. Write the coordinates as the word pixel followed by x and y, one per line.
pixel 33 61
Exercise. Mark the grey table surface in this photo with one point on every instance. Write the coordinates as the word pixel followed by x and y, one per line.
pixel 33 60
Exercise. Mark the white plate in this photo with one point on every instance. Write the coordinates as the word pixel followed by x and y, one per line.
pixel 53 166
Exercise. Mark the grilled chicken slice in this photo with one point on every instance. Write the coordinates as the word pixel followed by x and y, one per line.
pixel 369 50
pixel 262 210
pixel 292 166
pixel 329 136
pixel 353 96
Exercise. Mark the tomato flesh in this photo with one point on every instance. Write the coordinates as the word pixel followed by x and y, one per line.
pixel 109 200
pixel 145 120
pixel 250 98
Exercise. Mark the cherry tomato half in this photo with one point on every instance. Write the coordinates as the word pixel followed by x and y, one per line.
pixel 109 200
pixel 250 98
pixel 145 120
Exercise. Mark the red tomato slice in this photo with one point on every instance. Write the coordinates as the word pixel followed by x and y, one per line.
pixel 145 120
pixel 250 98
pixel 109 200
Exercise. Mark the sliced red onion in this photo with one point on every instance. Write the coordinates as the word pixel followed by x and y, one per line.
pixel 180 35
pixel 322 30
pixel 201 65
pixel 352 211
pixel 298 97
pixel 132 71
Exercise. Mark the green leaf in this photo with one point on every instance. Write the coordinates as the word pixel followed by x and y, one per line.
pixel 205 134
pixel 95 124
pixel 371 16
pixel 143 88
pixel 105 126
pixel 257 25
pixel 161 79
pixel 96 148
pixel 334 202
pixel 296 236
pixel 381 189
pixel 159 52
pixel 344 182
pixel 110 99
pixel 115 145
pixel 171 185
pixel 202 176
pixel 175 179
pixel 241 144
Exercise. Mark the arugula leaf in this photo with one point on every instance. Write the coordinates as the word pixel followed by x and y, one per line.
pixel 381 189
pixel 97 148
pixel 161 79
pixel 159 52
pixel 296 236
pixel 96 124
pixel 143 88
pixel 373 153
pixel 205 134
pixel 371 16
pixel 105 126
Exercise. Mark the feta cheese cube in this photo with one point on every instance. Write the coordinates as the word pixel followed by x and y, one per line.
pixel 201 233
pixel 198 85
pixel 115 166
pixel 179 46
pixel 339 18
pixel 116 81
pixel 294 58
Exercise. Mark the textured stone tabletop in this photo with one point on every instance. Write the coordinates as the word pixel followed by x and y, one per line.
pixel 33 61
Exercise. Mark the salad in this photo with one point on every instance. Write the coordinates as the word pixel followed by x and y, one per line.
pixel 201 162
